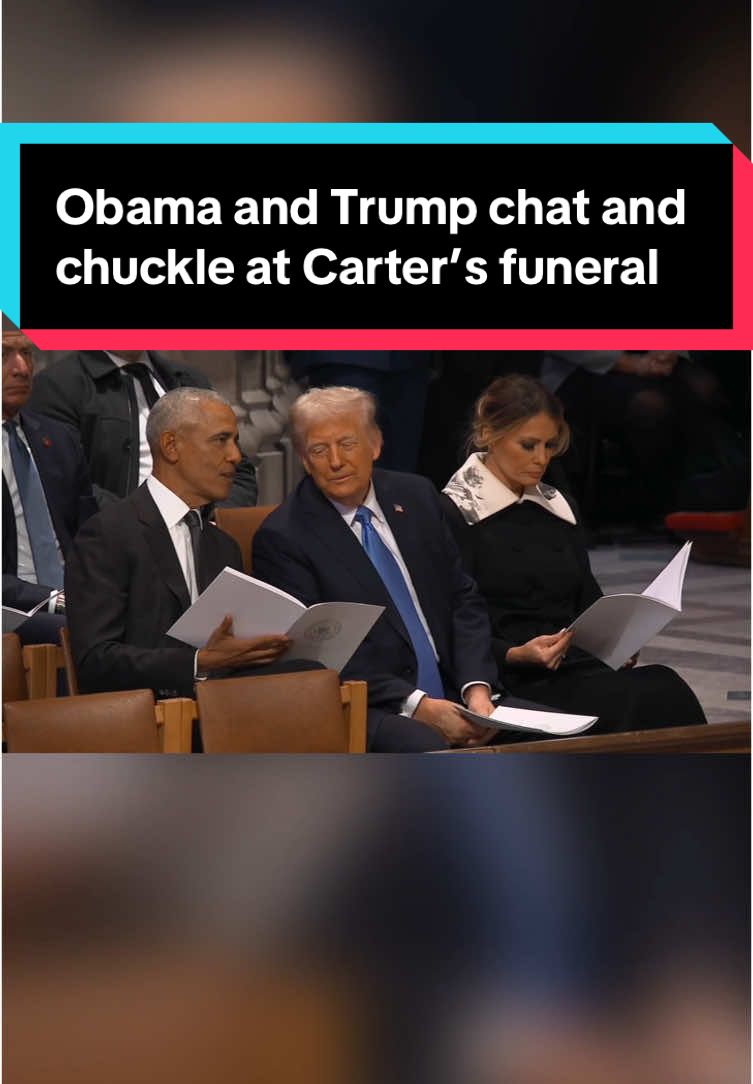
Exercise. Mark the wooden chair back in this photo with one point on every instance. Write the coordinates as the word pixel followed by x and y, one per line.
pixel 306 712
pixel 70 667
pixel 14 674
pixel 242 524
pixel 122 722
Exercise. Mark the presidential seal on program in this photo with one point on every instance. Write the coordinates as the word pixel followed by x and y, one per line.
pixel 323 630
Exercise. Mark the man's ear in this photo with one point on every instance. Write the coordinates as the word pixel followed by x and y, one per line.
pixel 169 447
pixel 377 442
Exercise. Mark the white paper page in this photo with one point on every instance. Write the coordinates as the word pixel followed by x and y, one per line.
pixel 330 632
pixel 667 587
pixel 616 626
pixel 542 722
pixel 257 609
pixel 13 618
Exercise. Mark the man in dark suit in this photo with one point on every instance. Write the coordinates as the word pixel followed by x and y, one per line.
pixel 106 397
pixel 46 497
pixel 327 542
pixel 138 564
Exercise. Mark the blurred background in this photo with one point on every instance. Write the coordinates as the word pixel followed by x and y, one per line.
pixel 172 60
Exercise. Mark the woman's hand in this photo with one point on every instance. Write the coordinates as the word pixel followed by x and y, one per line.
pixel 548 651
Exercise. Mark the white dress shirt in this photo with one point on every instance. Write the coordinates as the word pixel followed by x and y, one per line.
pixel 145 456
pixel 382 528
pixel 25 569
pixel 173 509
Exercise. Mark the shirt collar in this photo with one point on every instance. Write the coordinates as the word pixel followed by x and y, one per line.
pixel 142 359
pixel 479 494
pixel 171 507
pixel 370 502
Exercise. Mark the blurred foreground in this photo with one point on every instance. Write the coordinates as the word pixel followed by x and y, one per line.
pixel 443 919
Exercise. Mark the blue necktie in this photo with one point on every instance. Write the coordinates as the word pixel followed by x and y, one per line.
pixel 389 570
pixel 47 563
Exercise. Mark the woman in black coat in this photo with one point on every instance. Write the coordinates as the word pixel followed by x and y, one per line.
pixel 522 543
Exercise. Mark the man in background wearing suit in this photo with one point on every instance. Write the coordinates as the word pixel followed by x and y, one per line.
pixel 46 497
pixel 106 397
pixel 350 533
pixel 138 564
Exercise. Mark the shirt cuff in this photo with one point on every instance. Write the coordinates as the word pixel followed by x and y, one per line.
pixel 470 685
pixel 52 601
pixel 196 675
pixel 411 703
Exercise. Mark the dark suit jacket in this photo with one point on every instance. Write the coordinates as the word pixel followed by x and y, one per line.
pixel 88 392
pixel 65 479
pixel 306 548
pixel 124 588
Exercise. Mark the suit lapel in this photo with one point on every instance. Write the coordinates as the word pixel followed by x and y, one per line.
pixel 159 541
pixel 325 521
pixel 404 522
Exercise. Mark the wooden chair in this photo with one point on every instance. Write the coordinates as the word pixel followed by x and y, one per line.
pixel 174 717
pixel 121 722
pixel 70 667
pixel 29 672
pixel 306 712
pixel 242 524
pixel 14 674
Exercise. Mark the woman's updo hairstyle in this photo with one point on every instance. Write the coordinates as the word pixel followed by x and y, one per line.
pixel 507 403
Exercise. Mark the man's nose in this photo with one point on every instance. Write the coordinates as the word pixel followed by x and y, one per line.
pixel 335 457
pixel 236 454
pixel 20 364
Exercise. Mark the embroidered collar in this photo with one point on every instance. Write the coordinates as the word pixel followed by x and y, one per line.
pixel 479 494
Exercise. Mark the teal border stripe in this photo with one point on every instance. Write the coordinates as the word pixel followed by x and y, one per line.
pixel 13 135
pixel 364 133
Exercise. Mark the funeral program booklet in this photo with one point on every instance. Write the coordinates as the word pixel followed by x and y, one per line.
pixel 616 626
pixel 555 723
pixel 328 632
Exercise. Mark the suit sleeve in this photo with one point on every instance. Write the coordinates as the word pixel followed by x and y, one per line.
pixel 471 630
pixel 97 577
pixel 22 595
pixel 279 561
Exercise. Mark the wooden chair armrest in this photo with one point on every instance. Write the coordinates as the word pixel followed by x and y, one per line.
pixel 41 663
pixel 353 695
pixel 175 720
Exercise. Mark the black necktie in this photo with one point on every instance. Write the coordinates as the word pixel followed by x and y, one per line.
pixel 141 372
pixel 192 520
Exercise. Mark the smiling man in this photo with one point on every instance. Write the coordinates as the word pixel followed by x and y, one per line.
pixel 141 562
pixel 350 533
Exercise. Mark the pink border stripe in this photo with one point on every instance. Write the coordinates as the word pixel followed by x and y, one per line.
pixel 414 339
pixel 739 337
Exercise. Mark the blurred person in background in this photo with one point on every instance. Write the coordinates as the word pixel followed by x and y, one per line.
pixel 47 496
pixel 106 396
pixel 668 413
pixel 523 545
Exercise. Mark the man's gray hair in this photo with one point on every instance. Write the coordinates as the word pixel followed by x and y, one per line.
pixel 320 404
pixel 177 409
